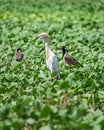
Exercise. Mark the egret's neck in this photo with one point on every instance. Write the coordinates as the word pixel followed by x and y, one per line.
pixel 47 42
pixel 47 49
pixel 47 45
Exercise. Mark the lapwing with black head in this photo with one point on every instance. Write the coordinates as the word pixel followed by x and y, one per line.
pixel 18 55
pixel 69 59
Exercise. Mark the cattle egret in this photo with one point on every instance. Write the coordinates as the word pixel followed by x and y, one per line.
pixel 51 59
pixel 18 55
pixel 68 59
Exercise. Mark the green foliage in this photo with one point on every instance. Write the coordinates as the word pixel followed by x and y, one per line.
pixel 28 98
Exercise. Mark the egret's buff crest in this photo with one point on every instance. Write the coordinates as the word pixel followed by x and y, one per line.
pixel 43 35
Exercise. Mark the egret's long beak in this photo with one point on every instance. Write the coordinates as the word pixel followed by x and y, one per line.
pixel 37 36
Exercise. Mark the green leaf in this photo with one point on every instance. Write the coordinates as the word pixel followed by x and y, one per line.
pixel 42 75
pixel 8 77
pixel 37 104
pixel 30 121
pixel 46 111
pixel 54 74
pixel 64 84
pixel 31 80
pixel 47 127
pixel 63 113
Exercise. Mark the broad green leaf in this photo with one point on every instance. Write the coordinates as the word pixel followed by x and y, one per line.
pixel 46 111
pixel 30 121
pixel 45 128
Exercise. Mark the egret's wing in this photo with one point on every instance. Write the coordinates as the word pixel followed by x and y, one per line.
pixel 55 65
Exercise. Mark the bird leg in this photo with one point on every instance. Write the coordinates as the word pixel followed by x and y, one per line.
pixel 56 78
pixel 52 80
pixel 26 63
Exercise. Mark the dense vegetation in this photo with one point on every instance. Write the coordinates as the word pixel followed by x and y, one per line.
pixel 28 99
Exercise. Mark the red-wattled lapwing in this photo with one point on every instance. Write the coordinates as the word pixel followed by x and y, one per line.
pixel 18 55
pixel 51 59
pixel 68 59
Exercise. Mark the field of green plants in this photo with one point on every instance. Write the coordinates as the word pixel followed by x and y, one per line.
pixel 28 99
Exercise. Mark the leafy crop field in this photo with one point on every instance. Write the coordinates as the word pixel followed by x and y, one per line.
pixel 28 99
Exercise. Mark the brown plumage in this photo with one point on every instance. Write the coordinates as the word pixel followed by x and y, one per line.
pixel 68 59
pixel 18 55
